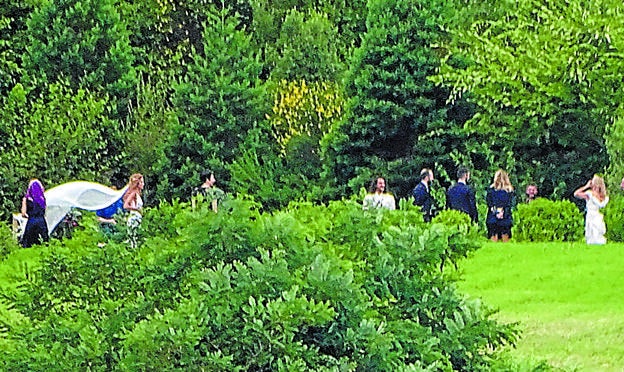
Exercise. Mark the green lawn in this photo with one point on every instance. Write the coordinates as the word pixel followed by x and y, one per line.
pixel 568 298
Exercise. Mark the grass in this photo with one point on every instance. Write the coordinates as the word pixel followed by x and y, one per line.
pixel 568 298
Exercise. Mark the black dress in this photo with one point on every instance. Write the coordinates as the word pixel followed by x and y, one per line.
pixel 498 200
pixel 36 228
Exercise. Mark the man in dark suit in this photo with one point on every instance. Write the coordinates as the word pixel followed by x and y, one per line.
pixel 422 194
pixel 461 197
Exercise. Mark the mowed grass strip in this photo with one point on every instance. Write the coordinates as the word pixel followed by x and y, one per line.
pixel 568 298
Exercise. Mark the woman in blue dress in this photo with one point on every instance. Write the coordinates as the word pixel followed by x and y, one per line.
pixel 33 208
pixel 500 200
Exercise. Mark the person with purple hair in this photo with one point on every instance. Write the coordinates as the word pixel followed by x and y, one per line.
pixel 33 208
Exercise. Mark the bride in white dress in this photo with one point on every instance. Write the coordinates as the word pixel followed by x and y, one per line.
pixel 595 195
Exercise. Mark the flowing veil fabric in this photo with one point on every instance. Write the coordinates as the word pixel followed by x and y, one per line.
pixel 86 195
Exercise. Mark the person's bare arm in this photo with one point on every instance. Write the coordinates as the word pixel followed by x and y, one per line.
pixel 24 208
pixel 581 191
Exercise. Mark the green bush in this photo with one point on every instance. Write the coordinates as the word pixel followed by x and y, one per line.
pixel 543 220
pixel 462 236
pixel 305 288
pixel 82 42
pixel 315 55
pixel 58 137
pixel 614 217
pixel 8 242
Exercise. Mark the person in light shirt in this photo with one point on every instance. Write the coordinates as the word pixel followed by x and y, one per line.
pixel 377 196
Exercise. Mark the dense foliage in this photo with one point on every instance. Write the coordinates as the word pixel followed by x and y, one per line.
pixel 396 119
pixel 83 43
pixel 307 288
pixel 291 101
pixel 613 216
pixel 379 87
pixel 546 80
pixel 544 220
pixel 219 101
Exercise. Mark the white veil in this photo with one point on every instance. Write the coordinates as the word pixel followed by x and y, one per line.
pixel 86 195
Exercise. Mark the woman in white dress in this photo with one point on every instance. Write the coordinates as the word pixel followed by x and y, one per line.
pixel 595 195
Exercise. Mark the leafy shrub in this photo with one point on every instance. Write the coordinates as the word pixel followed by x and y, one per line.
pixel 58 137
pixel 84 43
pixel 8 242
pixel 273 180
pixel 544 220
pixel 614 217
pixel 302 108
pixel 463 236
pixel 315 55
pixel 305 288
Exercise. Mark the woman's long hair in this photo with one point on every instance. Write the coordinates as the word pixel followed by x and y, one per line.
pixel 599 188
pixel 501 181
pixel 133 186
pixel 372 188
pixel 35 192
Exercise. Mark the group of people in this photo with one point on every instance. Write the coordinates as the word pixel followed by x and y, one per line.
pixel 500 200
pixel 130 205
pixel 34 207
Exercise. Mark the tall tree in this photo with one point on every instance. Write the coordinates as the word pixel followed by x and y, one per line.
pixel 546 77
pixel 396 117
pixel 13 17
pixel 219 101
pixel 306 49
pixel 84 43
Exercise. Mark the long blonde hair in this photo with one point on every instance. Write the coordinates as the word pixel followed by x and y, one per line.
pixel 133 187
pixel 599 188
pixel 501 181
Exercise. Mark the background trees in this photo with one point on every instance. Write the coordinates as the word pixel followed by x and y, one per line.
pixel 218 101
pixel 546 80
pixel 317 96
pixel 83 43
pixel 396 119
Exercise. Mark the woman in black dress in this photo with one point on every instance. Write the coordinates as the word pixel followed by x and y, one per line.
pixel 33 208
pixel 500 200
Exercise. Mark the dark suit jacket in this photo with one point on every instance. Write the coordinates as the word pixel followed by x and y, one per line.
pixel 423 198
pixel 461 197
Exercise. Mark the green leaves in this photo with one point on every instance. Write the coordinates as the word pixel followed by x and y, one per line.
pixel 220 100
pixel 543 220
pixel 81 42
pixel 310 287
pixel 395 121
pixel 538 71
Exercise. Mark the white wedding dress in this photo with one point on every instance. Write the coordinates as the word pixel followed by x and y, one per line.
pixel 595 228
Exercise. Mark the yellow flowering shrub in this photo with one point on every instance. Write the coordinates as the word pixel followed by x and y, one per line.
pixel 302 108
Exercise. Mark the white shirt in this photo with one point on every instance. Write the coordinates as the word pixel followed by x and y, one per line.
pixel 378 200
